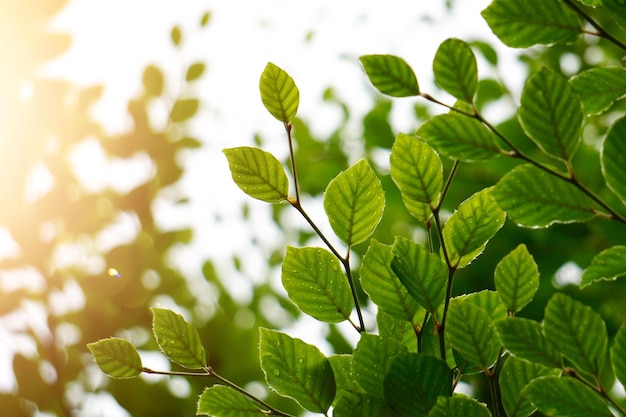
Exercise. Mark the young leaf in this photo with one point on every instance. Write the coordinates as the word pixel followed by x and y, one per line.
pixel 354 202
pixel 221 401
pixel 517 278
pixel 455 69
pixel 371 359
pixel 391 75
pixel 471 332
pixel 153 81
pixel 533 198
pixel 195 71
pixel 313 280
pixel 258 173
pixel 459 405
pixel 608 265
pixel 470 227
pixel 414 382
pixel 279 93
pixel 184 109
pixel 556 396
pixel 423 274
pixel 524 338
pixel 550 114
pixel 298 370
pixel 612 158
pixel 116 357
pixel 402 331
pixel 417 171
pixel 459 137
pixel 618 355
pixel 383 286
pixel 598 88
pixel 514 376
pixel 488 301
pixel 577 332
pixel 178 339
pixel 523 23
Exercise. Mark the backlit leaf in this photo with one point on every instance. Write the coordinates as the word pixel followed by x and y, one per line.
pixel 314 281
pixel 488 301
pixel 618 355
pixel 178 339
pixel 514 376
pixel 184 109
pixel 550 114
pixel 221 401
pixel 370 362
pixel 577 332
pixel 556 396
pixel 459 405
pixel 612 158
pixel 353 404
pixel 517 278
pixel 459 137
pixel 195 71
pixel 523 23
pixel 391 75
pixel 598 88
pixel 469 228
pixel 455 69
pixel 279 93
pixel 116 357
pixel 423 273
pixel 533 198
pixel 258 173
pixel 354 202
pixel 296 369
pixel 524 338
pixel 608 265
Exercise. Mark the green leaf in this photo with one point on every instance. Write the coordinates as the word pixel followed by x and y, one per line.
pixel 352 404
pixel 524 338
pixel 469 228
pixel 591 3
pixel 618 355
pixel 178 339
pixel 391 75
pixel 517 278
pixel 184 109
pixel 279 93
pixel 176 35
pixel 459 406
pixel 221 401
pixel 383 286
pixel 608 265
pixel 459 137
pixel 523 23
pixel 598 88
pixel 371 359
pixel 577 332
pixel 514 376
pixel 550 114
pixel 402 331
pixel 116 357
pixel 153 81
pixel 297 370
pixel 417 171
pixel 533 198
pixel 423 274
pixel 204 20
pixel 313 280
pixel 258 173
pixel 487 300
pixel 195 71
pixel 569 397
pixel 354 202
pixel 455 69
pixel 342 370
pixel 612 158
pixel 414 382
pixel 472 334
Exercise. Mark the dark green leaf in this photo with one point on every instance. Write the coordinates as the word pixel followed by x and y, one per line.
pixel 279 93
pixel 550 114
pixel 459 137
pixel 184 109
pixel 524 338
pixel 533 198
pixel 258 173
pixel 612 158
pixel 517 278
pixel 455 69
pixel 468 230
pixel 423 273
pixel 298 370
pixel 591 3
pixel 153 81
pixel 608 265
pixel 523 23
pixel 116 357
pixel 414 382
pixel 313 280
pixel 577 332
pixel 402 331
pixel 195 71
pixel 221 401
pixel 514 376
pixel 459 405
pixel 391 75
pixel 618 355
pixel 354 202
pixel 598 88
pixel 178 339
pixel 569 397
pixel 371 359
pixel 353 404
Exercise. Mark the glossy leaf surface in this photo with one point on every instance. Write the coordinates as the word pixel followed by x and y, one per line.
pixel 279 93
pixel 517 278
pixel 222 401
pixel 598 88
pixel 390 75
pixel 178 339
pixel 608 265
pixel 116 357
pixel 455 69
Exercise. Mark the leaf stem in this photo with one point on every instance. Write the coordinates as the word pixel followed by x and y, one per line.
pixel 288 128
pixel 597 388
pixel 601 31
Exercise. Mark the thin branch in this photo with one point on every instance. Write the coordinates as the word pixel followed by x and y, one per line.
pixel 294 172
pixel 601 31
